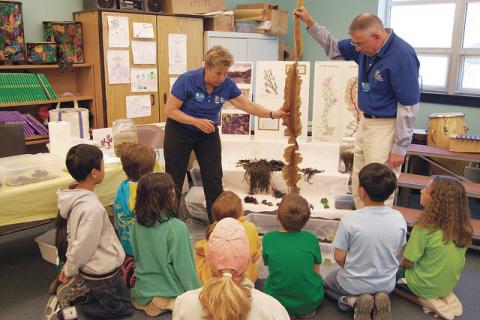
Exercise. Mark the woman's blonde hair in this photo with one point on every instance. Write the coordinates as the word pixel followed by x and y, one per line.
pixel 448 211
pixel 225 299
pixel 218 56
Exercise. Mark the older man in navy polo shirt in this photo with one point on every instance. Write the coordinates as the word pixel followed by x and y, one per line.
pixel 388 89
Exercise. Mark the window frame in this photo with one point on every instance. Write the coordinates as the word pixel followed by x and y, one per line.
pixel 455 54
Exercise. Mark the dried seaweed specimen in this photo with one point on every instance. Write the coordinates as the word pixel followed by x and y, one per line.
pixel 347 158
pixel 249 199
pixel 329 101
pixel 308 173
pixel 258 173
pixel 291 170
pixel 292 102
pixel 267 203
pixel 270 83
pixel 351 92
pixel 277 193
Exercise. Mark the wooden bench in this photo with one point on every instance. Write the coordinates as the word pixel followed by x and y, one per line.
pixel 412 215
pixel 414 181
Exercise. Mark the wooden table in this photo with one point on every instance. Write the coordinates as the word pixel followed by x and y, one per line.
pixel 38 201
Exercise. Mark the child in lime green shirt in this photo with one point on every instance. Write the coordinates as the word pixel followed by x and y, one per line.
pixel 435 253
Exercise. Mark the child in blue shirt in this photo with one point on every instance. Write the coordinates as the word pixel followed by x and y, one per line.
pixel 366 246
pixel 137 160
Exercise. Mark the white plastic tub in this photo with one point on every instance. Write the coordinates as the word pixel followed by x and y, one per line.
pixel 30 168
pixel 46 244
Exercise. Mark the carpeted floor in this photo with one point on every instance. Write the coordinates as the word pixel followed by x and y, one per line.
pixel 25 278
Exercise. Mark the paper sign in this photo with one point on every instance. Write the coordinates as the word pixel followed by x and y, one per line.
pixel 118 66
pixel 177 53
pixel 144 80
pixel 138 106
pixel 143 30
pixel 144 52
pixel 118 32
pixel 172 81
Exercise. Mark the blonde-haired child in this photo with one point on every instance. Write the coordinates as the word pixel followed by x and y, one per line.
pixel 228 295
pixel 228 204
pixel 435 253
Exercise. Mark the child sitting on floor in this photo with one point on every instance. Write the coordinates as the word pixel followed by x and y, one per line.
pixel 435 254
pixel 137 160
pixel 293 258
pixel 228 294
pixel 161 246
pixel 366 246
pixel 94 253
pixel 228 204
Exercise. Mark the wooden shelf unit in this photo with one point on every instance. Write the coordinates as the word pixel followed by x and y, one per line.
pixel 41 66
pixel 40 102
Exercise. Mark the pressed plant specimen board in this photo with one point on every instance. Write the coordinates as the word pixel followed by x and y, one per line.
pixel 269 92
pixel 235 122
pixel 335 104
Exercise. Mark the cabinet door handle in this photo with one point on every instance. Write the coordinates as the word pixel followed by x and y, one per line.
pixel 164 98
pixel 152 99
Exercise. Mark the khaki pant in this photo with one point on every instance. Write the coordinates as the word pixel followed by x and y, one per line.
pixel 373 144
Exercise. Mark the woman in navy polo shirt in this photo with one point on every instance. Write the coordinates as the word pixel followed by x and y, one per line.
pixel 192 115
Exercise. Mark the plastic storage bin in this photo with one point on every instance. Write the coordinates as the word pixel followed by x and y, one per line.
pixel 46 244
pixel 29 168
pixel 324 229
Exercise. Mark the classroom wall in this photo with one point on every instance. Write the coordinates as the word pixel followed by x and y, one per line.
pixel 334 14
pixel 36 11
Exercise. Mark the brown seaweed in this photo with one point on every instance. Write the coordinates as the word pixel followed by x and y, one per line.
pixel 308 173
pixel 258 173
pixel 292 102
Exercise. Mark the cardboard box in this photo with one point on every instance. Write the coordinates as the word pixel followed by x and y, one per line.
pixel 192 6
pixel 219 23
pixel 263 5
pixel 276 25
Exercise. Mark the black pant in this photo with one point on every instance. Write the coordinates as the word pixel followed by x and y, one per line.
pixel 179 143
pixel 108 299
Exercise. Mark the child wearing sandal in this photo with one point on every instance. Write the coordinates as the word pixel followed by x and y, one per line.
pixel 228 204
pixel 137 160
pixel 293 273
pixel 366 246
pixel 435 254
pixel 228 294
pixel 161 246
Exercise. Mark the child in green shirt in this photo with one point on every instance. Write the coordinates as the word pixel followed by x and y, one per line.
pixel 293 258
pixel 435 253
pixel 161 246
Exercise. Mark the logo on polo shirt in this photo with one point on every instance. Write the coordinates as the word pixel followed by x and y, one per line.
pixel 378 76
pixel 199 96
pixel 219 99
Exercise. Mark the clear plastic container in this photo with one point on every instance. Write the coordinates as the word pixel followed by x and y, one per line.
pixel 345 155
pixel 29 168
pixel 246 26
pixel 123 131
pixel 325 230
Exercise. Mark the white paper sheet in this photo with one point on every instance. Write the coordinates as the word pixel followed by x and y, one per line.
pixel 138 106
pixel 177 53
pixel 144 52
pixel 118 66
pixel 118 32
pixel 172 81
pixel 270 79
pixel 143 30
pixel 335 106
pixel 144 80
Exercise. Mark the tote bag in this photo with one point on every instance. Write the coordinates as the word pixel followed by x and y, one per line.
pixel 78 117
